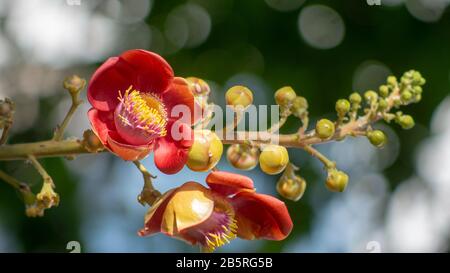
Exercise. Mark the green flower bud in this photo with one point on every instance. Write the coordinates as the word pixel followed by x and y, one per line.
pixel 273 159
pixel 370 96
pixel 291 188
pixel 336 180
pixel 418 98
pixel 299 106
pixel 377 138
pixel 406 96
pixel 417 89
pixel 239 96
pixel 405 121
pixel 342 107
pixel 382 104
pixel 325 129
pixel 422 81
pixel 206 151
pixel 285 96
pixel 384 91
pixel 391 81
pixel 416 77
pixel 243 157
pixel 355 98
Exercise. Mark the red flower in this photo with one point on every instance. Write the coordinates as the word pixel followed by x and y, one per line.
pixel 132 96
pixel 211 217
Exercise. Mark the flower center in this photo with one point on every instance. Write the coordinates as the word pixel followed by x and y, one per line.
pixel 219 229
pixel 140 117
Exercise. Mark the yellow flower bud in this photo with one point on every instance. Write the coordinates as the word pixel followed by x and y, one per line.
pixel 336 180
pixel 239 96
pixel 370 96
pixel 291 188
pixel 325 129
pixel 406 121
pixel 74 84
pixel 377 138
pixel 342 107
pixel 355 98
pixel 198 86
pixel 206 151
pixel 285 96
pixel 243 157
pixel 273 159
pixel 299 106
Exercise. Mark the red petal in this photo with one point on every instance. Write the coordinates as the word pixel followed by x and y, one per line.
pixel 171 152
pixel 228 183
pixel 102 123
pixel 261 216
pixel 113 75
pixel 181 96
pixel 126 151
pixel 153 73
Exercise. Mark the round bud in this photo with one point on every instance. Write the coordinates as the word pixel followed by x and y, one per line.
pixel 422 81
pixel 384 91
pixel 206 151
pixel 324 129
pixel 406 121
pixel 406 96
pixel 198 86
pixel 239 96
pixel 382 104
pixel 377 138
pixel 243 157
pixel 392 81
pixel 291 188
pixel 74 84
pixel 418 98
pixel 299 106
pixel 417 89
pixel 342 107
pixel 370 96
pixel 416 77
pixel 273 159
pixel 285 96
pixel 91 142
pixel 355 98
pixel 336 180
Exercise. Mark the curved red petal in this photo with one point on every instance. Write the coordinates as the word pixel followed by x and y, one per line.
pixel 227 183
pixel 171 152
pixel 126 151
pixel 102 123
pixel 153 73
pixel 112 76
pixel 169 157
pixel 261 216
pixel 179 101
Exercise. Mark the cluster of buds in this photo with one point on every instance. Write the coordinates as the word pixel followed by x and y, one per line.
pixel 290 103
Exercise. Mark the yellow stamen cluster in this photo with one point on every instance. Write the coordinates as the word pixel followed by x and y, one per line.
pixel 218 239
pixel 146 109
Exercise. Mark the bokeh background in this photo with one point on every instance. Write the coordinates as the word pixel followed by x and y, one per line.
pixel 397 199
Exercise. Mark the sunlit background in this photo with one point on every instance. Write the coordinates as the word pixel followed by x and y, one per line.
pixel 397 199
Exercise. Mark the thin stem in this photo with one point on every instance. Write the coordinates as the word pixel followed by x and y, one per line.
pixel 149 194
pixel 5 133
pixel 328 163
pixel 59 132
pixel 275 127
pixel 13 182
pixel 45 176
